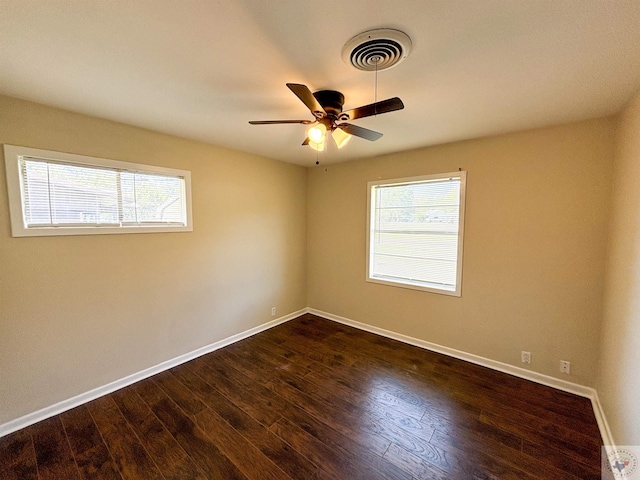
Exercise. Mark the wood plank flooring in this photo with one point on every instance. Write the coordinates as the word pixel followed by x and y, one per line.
pixel 313 399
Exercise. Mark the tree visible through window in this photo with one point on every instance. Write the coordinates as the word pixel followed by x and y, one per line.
pixel 63 194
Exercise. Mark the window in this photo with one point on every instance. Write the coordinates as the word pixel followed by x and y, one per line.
pixel 53 193
pixel 414 234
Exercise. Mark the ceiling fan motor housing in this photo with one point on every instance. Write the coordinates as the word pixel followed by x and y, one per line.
pixel 377 49
pixel 330 100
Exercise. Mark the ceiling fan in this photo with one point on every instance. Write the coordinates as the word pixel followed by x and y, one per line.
pixel 326 107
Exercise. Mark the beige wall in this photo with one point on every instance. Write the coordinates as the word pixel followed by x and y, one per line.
pixel 79 312
pixel 537 212
pixel 619 381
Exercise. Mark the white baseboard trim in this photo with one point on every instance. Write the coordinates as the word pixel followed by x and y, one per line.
pixel 469 357
pixel 603 425
pixel 557 383
pixel 73 402
pixel 563 385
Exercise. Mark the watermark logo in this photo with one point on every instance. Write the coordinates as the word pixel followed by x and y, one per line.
pixel 621 462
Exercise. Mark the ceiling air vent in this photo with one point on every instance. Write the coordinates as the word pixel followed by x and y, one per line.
pixel 378 49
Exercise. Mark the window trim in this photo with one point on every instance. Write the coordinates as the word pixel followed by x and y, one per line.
pixel 433 288
pixel 12 156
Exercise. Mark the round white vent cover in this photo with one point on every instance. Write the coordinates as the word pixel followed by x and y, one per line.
pixel 377 49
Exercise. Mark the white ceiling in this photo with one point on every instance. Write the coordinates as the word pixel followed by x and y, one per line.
pixel 202 68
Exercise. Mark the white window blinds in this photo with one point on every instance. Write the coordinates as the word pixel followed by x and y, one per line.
pixel 415 232
pixel 57 194
pixel 58 197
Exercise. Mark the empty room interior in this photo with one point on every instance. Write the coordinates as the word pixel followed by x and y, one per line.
pixel 338 240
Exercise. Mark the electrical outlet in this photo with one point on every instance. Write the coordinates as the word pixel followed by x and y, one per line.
pixel 565 367
pixel 526 357
pixel 273 311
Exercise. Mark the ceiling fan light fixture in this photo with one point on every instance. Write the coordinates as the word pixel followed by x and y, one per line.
pixel 317 146
pixel 341 137
pixel 317 133
pixel 332 118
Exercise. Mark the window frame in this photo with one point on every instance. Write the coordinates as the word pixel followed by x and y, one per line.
pixel 13 155
pixel 417 285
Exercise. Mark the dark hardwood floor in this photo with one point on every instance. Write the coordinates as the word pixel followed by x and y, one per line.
pixel 313 399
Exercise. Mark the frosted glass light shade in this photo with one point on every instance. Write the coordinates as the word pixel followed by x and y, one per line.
pixel 341 137
pixel 317 133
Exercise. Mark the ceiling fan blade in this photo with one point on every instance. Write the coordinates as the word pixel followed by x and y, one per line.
pixel 306 141
pixel 360 132
pixel 389 105
pixel 276 122
pixel 304 94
